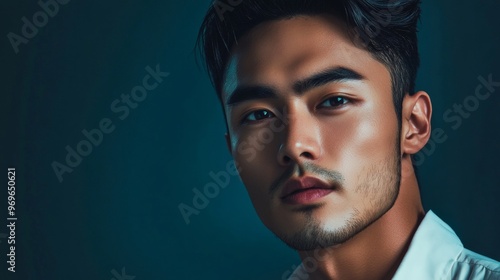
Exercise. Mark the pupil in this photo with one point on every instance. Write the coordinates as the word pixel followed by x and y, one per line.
pixel 338 100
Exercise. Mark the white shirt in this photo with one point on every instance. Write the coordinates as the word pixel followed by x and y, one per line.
pixel 436 253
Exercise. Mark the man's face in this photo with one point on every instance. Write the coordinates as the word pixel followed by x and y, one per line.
pixel 313 129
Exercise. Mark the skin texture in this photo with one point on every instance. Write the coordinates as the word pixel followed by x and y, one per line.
pixel 344 132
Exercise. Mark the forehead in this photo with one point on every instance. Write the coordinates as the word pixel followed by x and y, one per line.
pixel 279 52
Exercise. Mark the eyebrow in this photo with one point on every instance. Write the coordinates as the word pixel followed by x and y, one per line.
pixel 254 92
pixel 333 75
pixel 247 93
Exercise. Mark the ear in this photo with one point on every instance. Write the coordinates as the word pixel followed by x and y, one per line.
pixel 416 122
pixel 228 142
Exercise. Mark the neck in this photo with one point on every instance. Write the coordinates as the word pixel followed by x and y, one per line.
pixel 377 251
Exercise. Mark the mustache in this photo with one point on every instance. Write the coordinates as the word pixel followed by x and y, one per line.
pixel 330 176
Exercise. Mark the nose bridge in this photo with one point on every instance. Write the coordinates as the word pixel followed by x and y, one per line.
pixel 301 138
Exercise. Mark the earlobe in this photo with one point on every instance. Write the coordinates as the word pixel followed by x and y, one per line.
pixel 228 143
pixel 416 122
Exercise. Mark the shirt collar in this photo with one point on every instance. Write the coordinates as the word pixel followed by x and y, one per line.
pixel 432 250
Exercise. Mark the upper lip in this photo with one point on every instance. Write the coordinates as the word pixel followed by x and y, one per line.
pixel 298 184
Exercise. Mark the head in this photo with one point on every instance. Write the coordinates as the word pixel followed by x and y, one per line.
pixel 320 109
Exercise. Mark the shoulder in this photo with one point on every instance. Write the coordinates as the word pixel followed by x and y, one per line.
pixel 471 265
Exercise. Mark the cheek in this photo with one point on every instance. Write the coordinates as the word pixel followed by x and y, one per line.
pixel 361 139
pixel 255 153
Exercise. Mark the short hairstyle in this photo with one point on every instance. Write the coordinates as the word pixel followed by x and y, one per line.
pixel 385 28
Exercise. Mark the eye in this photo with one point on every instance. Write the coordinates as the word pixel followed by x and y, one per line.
pixel 257 116
pixel 334 102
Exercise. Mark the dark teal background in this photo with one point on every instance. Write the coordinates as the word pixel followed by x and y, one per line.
pixel 119 207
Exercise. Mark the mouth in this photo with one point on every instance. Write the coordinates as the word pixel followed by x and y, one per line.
pixel 305 190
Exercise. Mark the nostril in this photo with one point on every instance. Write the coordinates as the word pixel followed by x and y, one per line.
pixel 307 155
pixel 286 159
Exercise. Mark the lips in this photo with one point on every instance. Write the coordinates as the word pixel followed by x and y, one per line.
pixel 305 190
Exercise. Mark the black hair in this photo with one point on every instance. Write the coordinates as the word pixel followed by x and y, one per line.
pixel 385 28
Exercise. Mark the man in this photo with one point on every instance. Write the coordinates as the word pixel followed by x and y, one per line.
pixel 322 121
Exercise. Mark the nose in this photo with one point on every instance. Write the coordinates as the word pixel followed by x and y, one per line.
pixel 301 140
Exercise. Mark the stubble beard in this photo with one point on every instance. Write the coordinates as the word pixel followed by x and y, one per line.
pixel 384 176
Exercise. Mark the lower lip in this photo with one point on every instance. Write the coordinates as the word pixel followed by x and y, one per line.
pixel 307 196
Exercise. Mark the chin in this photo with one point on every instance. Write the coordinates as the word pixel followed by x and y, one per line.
pixel 321 227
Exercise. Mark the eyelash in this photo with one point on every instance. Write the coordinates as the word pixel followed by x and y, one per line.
pixel 345 99
pixel 271 114
pixel 245 118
